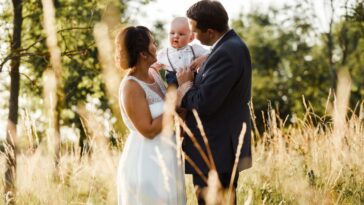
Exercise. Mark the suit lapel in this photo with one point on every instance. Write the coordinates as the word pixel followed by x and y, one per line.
pixel 199 74
pixel 203 69
pixel 228 35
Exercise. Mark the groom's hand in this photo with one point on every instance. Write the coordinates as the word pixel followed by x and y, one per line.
pixel 182 90
pixel 197 63
pixel 184 75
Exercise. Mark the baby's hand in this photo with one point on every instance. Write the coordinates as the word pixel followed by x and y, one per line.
pixel 195 65
pixel 157 66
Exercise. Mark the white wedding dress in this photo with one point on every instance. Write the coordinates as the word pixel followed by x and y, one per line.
pixel 148 172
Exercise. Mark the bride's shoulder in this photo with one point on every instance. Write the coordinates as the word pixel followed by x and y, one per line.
pixel 130 88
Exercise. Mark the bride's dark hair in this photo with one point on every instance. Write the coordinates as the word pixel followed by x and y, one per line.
pixel 129 43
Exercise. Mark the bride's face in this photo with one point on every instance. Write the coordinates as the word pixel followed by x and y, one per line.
pixel 152 49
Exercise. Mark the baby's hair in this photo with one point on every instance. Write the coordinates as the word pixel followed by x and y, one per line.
pixel 180 20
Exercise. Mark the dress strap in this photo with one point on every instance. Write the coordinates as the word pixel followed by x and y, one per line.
pixel 141 83
pixel 158 79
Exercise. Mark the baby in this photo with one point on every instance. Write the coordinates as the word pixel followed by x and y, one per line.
pixel 180 54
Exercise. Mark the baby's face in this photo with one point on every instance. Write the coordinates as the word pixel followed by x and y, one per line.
pixel 179 35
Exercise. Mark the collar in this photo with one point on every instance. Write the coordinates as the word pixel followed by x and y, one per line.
pixel 213 45
pixel 178 49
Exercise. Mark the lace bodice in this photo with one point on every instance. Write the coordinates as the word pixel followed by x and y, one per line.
pixel 153 98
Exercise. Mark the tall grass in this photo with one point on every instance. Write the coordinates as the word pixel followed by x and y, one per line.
pixel 80 182
pixel 295 164
pixel 315 160
pixel 303 164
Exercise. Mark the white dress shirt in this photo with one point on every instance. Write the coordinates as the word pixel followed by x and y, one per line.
pixel 213 45
pixel 175 59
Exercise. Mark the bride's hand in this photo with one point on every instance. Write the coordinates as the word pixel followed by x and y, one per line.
pixel 157 66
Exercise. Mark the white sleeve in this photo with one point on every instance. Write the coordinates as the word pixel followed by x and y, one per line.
pixel 161 55
pixel 199 50
pixel 162 59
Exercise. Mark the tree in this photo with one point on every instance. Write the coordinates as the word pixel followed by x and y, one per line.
pixel 281 57
pixel 293 58
pixel 349 37
pixel 11 134
pixel 81 77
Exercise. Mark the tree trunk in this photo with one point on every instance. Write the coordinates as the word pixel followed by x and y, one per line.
pixel 330 48
pixel 343 36
pixel 57 133
pixel 11 135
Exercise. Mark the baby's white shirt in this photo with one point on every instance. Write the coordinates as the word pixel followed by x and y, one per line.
pixel 180 58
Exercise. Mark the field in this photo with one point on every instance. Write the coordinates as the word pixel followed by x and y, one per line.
pixel 307 162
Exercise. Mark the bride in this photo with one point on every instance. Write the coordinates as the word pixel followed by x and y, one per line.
pixel 148 171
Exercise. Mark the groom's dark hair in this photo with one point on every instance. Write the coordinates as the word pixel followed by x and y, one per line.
pixel 209 15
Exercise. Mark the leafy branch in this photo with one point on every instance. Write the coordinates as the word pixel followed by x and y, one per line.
pixel 23 52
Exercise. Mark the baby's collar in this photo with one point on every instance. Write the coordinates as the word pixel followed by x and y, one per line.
pixel 178 49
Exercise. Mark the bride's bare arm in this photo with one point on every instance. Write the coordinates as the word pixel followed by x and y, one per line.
pixel 137 109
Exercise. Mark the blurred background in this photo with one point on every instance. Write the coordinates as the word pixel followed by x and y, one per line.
pixel 299 50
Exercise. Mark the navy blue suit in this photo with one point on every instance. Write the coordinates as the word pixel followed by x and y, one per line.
pixel 220 94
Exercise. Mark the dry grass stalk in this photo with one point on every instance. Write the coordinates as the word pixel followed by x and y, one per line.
pixel 256 131
pixel 180 156
pixel 203 134
pixel 111 74
pixel 31 131
pixel 51 32
pixel 195 167
pixel 328 102
pixel 179 140
pixel 195 143
pixel 339 117
pixel 361 111
pixel 214 192
pixel 94 130
pixel 249 198
pixel 50 100
pixel 342 100
pixel 169 112
pixel 55 59
pixel 10 157
pixel 166 175
pixel 236 162
pixel 168 116
pixel 28 128
pixel 87 133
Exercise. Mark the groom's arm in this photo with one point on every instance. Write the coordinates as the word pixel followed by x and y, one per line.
pixel 207 97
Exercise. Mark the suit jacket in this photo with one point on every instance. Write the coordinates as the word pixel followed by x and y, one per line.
pixel 220 94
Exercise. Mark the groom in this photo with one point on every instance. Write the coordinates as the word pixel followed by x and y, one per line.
pixel 220 94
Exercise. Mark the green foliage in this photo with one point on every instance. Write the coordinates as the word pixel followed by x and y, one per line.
pixel 290 59
pixel 349 35
pixel 81 78
pixel 159 32
pixel 357 13
pixel 81 71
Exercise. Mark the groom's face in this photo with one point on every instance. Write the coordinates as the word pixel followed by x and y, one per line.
pixel 203 37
